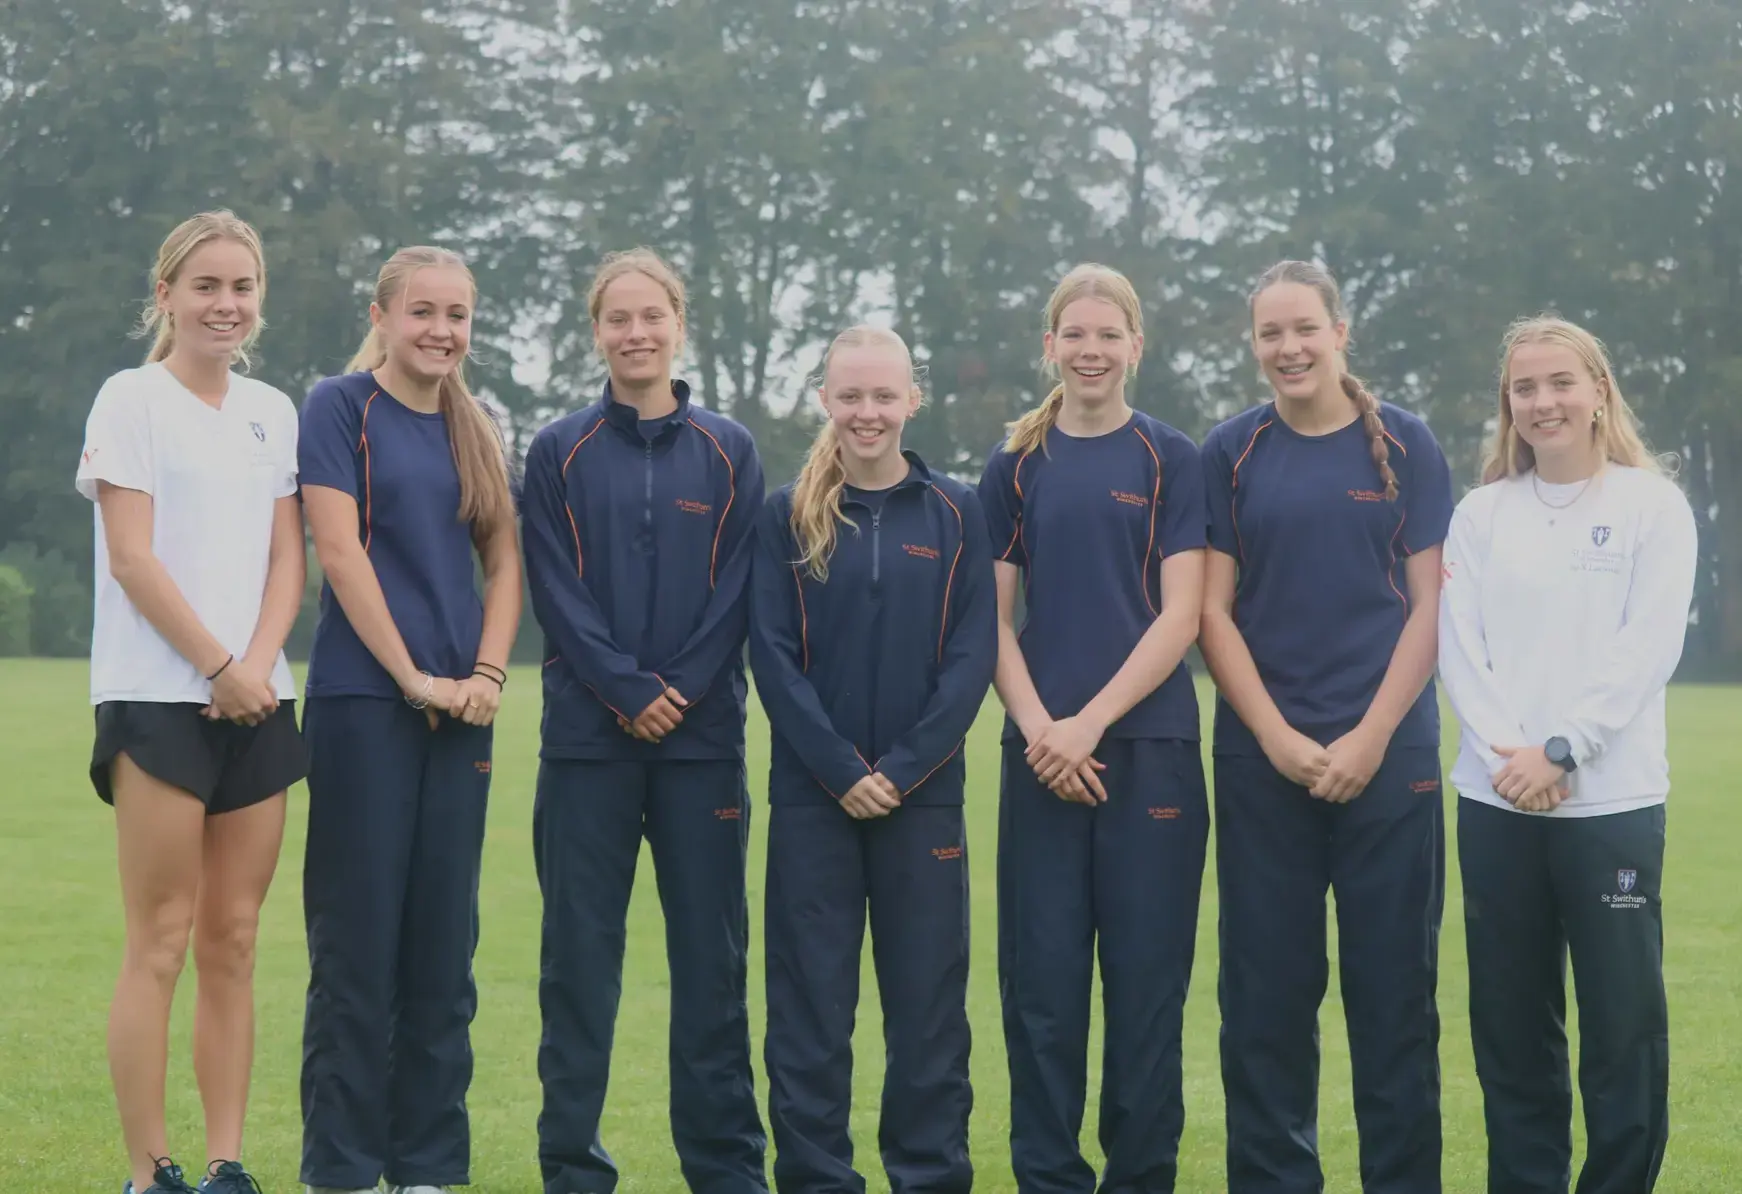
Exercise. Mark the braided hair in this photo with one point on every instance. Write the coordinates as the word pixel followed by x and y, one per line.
pixel 1319 280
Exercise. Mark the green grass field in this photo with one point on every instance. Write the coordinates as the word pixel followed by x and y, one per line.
pixel 60 940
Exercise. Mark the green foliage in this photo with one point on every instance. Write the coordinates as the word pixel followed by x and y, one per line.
pixel 60 600
pixel 933 164
pixel 14 613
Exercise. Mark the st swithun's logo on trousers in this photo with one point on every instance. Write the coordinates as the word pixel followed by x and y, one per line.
pixel 1626 880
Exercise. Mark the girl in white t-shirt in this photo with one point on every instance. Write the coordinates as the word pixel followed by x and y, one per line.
pixel 199 574
pixel 1568 577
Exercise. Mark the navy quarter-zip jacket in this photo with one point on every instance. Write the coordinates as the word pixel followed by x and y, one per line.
pixel 638 540
pixel 883 667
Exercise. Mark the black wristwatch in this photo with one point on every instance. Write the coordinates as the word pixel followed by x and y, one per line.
pixel 1560 753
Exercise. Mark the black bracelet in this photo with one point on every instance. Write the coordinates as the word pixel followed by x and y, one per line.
pixel 501 681
pixel 220 671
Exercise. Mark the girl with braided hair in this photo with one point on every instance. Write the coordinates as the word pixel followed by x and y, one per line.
pixel 1328 509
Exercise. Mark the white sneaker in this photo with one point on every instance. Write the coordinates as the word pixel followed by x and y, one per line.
pixel 418 1190
pixel 337 1190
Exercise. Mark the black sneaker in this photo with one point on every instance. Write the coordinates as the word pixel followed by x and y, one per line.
pixel 166 1178
pixel 228 1177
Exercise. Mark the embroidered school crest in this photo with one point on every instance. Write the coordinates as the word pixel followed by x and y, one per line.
pixel 1599 535
pixel 1628 878
pixel 259 431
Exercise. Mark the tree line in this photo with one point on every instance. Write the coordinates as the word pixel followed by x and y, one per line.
pixel 935 164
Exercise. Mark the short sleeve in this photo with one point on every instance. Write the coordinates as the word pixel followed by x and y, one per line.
pixel 1184 500
pixel 117 440
pixel 1003 505
pixel 1428 502
pixel 327 443
pixel 285 483
pixel 1218 474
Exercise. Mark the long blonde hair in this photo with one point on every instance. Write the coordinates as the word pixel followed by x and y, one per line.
pixel 1085 281
pixel 473 436
pixel 816 495
pixel 1616 430
pixel 190 234
pixel 1319 280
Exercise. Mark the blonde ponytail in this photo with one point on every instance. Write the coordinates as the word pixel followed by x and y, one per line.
pixel 1029 432
pixel 370 355
pixel 816 503
pixel 473 437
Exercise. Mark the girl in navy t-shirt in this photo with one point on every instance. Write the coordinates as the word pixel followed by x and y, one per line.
pixel 1096 513
pixel 1327 511
pixel 873 636
pixel 405 484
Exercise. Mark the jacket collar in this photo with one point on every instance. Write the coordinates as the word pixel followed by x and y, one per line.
pixel 918 475
pixel 627 418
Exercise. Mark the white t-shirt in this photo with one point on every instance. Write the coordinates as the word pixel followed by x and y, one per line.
pixel 214 475
pixel 1568 622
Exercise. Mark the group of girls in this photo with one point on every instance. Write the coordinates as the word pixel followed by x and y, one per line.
pixel 1304 548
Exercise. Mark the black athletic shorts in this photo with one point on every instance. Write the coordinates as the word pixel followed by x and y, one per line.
pixel 224 765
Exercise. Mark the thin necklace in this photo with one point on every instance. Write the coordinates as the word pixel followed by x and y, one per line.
pixel 1536 488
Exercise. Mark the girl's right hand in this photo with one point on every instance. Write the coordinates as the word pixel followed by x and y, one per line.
pixel 1082 786
pixel 870 797
pixel 1297 757
pixel 241 696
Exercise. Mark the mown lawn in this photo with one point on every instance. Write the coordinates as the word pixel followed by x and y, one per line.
pixel 60 934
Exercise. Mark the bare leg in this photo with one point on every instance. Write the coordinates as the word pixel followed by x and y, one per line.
pixel 158 830
pixel 241 853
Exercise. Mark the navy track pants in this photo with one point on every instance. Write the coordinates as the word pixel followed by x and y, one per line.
pixel 588 824
pixel 390 899
pixel 1278 851
pixel 824 870
pixel 1536 888
pixel 1122 880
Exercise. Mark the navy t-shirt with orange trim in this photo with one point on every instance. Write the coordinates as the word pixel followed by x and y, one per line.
pixel 1322 595
pixel 1089 520
pixel 396 462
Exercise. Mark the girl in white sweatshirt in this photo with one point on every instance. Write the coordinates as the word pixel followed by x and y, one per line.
pixel 1568 577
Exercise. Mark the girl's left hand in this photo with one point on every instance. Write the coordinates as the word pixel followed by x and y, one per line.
pixel 475 701
pixel 1528 778
pixel 1062 748
pixel 1354 759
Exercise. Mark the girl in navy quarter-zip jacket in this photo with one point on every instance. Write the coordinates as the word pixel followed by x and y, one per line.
pixel 873 637
pixel 637 515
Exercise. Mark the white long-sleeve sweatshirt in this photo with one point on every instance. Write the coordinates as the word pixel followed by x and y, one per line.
pixel 1563 613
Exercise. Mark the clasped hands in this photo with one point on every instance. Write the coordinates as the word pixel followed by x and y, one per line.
pixel 1528 781
pixel 474 700
pixel 1336 773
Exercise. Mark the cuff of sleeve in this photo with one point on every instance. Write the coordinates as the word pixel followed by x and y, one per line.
pixel 629 696
pixel 843 776
pixel 1585 749
pixel 86 483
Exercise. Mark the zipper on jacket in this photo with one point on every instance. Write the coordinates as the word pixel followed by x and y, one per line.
pixel 647 512
pixel 876 545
